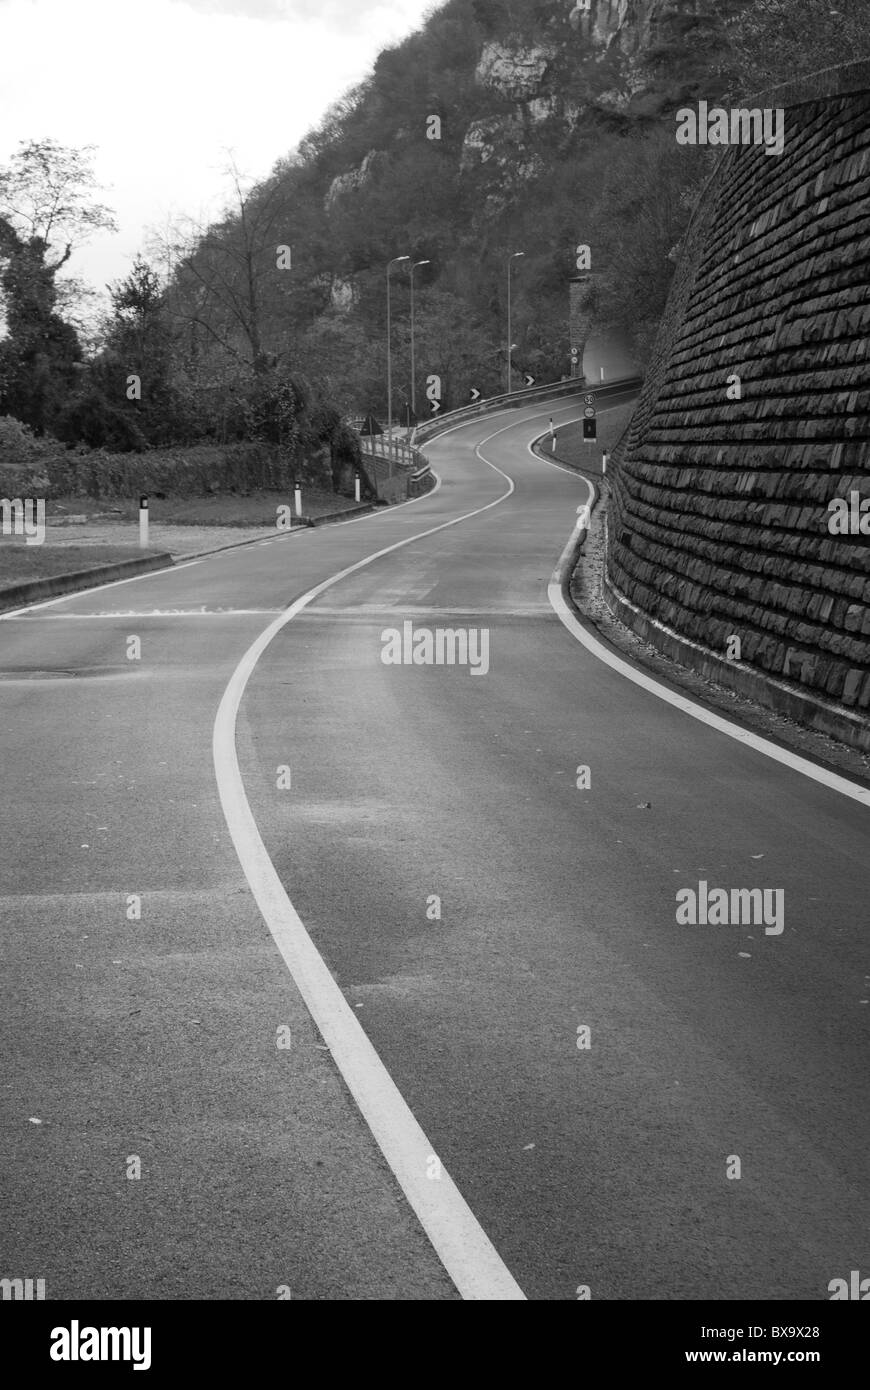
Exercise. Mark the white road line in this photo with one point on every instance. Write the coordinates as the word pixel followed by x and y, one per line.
pixel 215 555
pixel 515 411
pixel 246 545
pixel 367 613
pixel 143 613
pixel 832 780
pixel 397 508
pixel 575 420
pixel 460 1242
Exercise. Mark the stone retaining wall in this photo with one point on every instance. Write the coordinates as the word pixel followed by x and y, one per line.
pixel 719 509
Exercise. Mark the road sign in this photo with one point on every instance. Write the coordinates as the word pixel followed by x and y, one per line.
pixel 474 394
pixel 436 406
pixel 529 379
pixel 588 400
pixel 589 412
pixel 408 417
pixel 590 429
pixel 575 354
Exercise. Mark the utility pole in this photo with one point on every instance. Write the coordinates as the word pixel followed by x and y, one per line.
pixel 414 267
pixel 510 345
pixel 397 260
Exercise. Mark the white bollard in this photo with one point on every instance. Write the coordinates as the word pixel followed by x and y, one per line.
pixel 143 523
pixel 298 500
pixel 604 463
pixel 356 486
pixel 601 369
pixel 553 445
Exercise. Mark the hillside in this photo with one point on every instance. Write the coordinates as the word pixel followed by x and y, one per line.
pixel 498 126
pixel 501 126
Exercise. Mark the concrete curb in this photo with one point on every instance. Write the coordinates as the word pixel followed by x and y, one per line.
pixel 302 523
pixel 56 585
pixel 547 457
pixel 361 510
pixel 60 584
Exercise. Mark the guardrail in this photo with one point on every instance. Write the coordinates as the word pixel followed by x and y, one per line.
pixel 395 473
pixel 574 386
pixel 406 455
pixel 402 451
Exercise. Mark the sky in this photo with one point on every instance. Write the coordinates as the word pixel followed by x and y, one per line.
pixel 164 88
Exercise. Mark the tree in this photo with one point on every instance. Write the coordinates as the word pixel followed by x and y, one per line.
pixel 38 357
pixel 451 343
pixel 223 273
pixel 45 194
pixel 647 197
pixel 140 341
pixel 137 341
pixel 46 210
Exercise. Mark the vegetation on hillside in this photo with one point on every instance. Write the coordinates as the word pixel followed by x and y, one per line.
pixel 267 328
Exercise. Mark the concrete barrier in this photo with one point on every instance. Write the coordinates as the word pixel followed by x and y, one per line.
pixel 54 586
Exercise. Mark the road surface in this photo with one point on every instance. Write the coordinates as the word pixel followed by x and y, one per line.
pixel 181 1040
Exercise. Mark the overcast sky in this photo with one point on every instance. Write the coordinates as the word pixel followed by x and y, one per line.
pixel 164 87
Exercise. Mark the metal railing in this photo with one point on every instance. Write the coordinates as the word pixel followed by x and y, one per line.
pixel 405 455
pixel 400 452
pixel 573 386
pixel 387 467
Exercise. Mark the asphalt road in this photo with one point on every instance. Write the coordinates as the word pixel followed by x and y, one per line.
pixel 603 1167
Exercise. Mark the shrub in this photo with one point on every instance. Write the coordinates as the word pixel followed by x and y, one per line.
pixel 91 419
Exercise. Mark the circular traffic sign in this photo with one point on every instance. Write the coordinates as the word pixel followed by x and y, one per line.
pixel 589 412
pixel 589 400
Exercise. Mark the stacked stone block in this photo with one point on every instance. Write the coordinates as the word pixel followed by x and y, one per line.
pixel 719 508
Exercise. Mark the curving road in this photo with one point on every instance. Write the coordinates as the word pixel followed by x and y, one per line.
pixel 600 1167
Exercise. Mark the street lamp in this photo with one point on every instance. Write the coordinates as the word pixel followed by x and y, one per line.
pixel 511 345
pixel 397 260
pixel 414 267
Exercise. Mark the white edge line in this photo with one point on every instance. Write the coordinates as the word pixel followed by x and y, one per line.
pixel 397 507
pixel 832 780
pixel 461 1244
pixel 246 545
pixel 214 554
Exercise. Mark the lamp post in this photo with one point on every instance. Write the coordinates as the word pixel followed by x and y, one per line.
pixel 514 257
pixel 414 267
pixel 397 260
